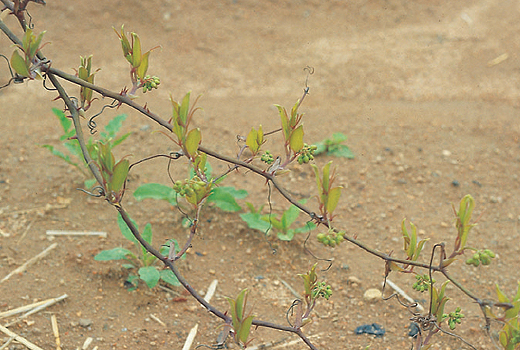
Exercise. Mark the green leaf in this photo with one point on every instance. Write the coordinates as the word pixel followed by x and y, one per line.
pixel 59 154
pixel 284 120
pixel 287 236
pixel 296 142
pixel 120 175
pixel 147 233
pixel 240 304
pixel 318 178
pixel 36 45
pixel 339 137
pixel 254 221
pixel 320 148
pixel 245 328
pixel 193 141
pixel 150 275
pixel 333 199
pixel 113 127
pixel 65 122
pixel 89 183
pixel 156 191
pixel 114 254
pixel 143 67
pixel 136 51
pixel 125 231
pixel 305 229
pixel 340 151
pixel 251 141
pixel 168 277
pixel 73 147
pixel 183 111
pixel 290 215
pixel 326 176
pixel 120 139
pixel 19 65
pixel 224 198
pixel 274 222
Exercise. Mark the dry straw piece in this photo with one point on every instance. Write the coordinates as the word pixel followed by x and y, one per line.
pixel 30 262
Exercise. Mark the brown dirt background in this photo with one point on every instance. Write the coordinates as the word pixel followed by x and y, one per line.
pixel 404 80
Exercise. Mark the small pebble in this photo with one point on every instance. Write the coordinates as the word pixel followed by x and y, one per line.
pixel 455 183
pixel 372 295
pixel 353 280
pixel 446 153
pixel 85 322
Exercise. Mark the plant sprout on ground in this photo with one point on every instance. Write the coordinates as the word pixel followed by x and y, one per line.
pixel 201 187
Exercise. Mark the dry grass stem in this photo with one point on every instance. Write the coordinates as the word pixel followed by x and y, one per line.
pixel 30 262
pixel 30 307
pixel 158 320
pixel 211 290
pixel 75 233
pixel 190 338
pixel 19 339
pixel 56 331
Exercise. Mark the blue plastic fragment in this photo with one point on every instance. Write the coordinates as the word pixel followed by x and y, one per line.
pixel 414 330
pixel 373 328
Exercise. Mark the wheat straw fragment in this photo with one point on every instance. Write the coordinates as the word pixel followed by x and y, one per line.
pixel 75 233
pixel 30 262
pixel 19 339
pixel 56 331
pixel 32 306
pixel 190 338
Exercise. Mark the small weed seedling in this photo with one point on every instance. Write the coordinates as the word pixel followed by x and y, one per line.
pixel 282 226
pixel 334 147
pixel 145 261
pixel 75 157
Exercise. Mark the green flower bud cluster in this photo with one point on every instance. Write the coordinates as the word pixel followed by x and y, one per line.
pixel 307 154
pixel 331 238
pixel 481 256
pixel 455 318
pixel 322 290
pixel 194 190
pixel 267 158
pixel 422 284
pixel 150 83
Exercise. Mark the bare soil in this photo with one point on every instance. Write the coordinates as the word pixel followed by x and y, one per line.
pixel 429 114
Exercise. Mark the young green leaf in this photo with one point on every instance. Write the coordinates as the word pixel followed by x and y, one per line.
pixel 296 141
pixel 168 277
pixel 125 231
pixel 224 198
pixel 156 191
pixel 150 275
pixel 19 65
pixel 143 67
pixel 193 140
pixel 136 51
pixel 114 254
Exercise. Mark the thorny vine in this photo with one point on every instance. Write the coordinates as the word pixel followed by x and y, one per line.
pixel 427 323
